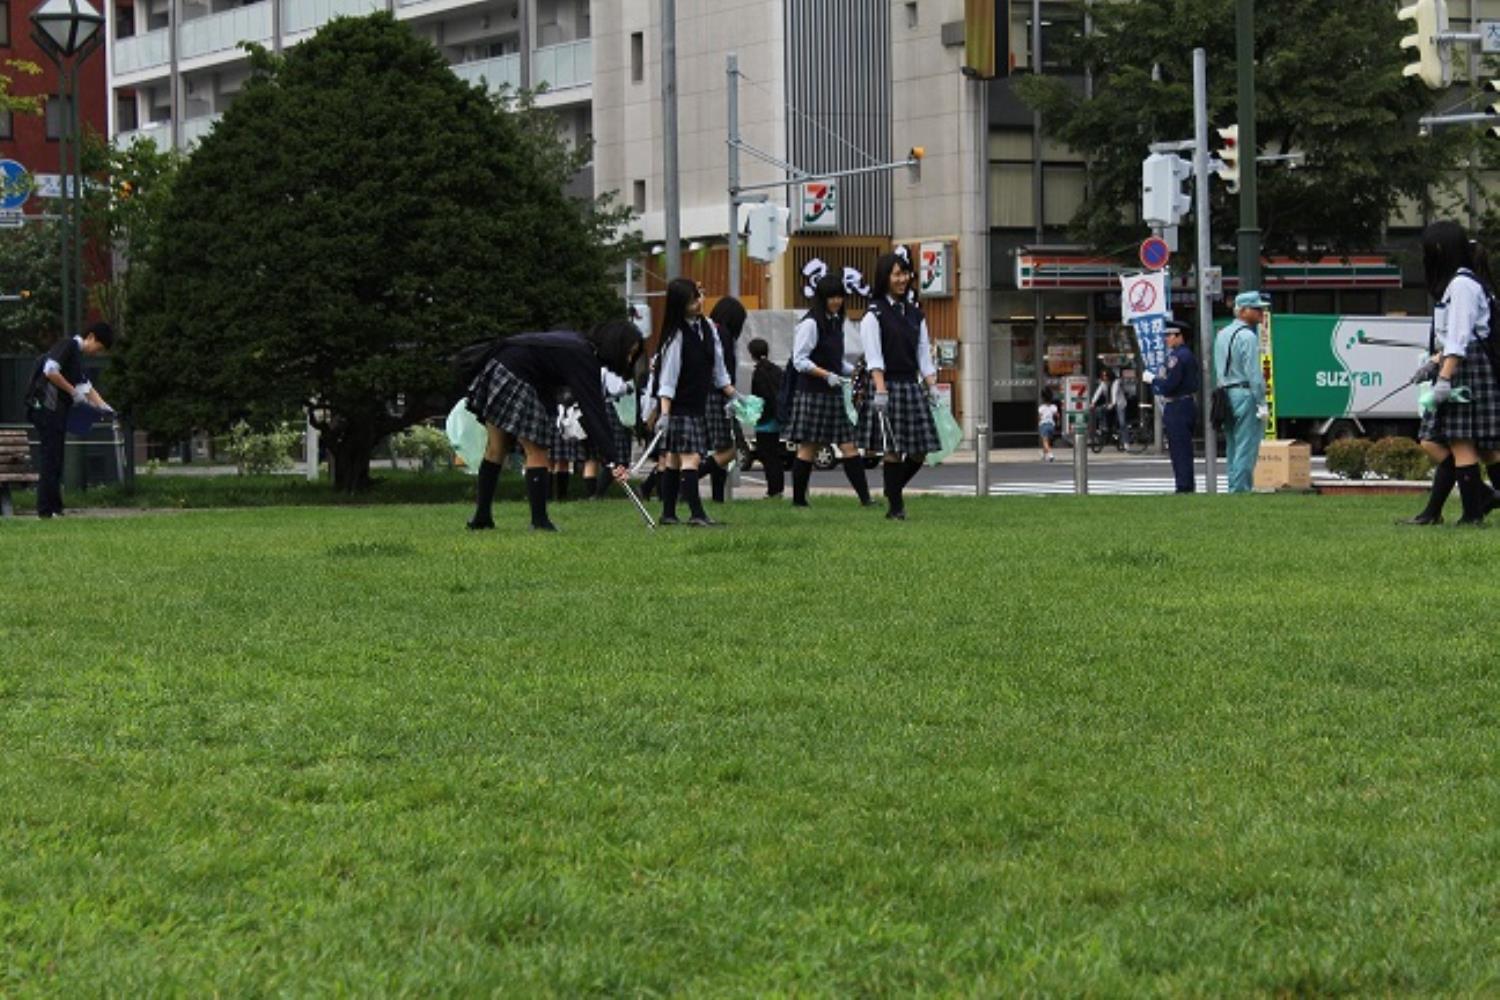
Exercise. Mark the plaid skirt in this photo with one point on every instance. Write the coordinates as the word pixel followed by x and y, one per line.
pixel 716 424
pixel 685 436
pixel 568 449
pixel 909 418
pixel 619 433
pixel 819 418
pixel 500 398
pixel 1477 420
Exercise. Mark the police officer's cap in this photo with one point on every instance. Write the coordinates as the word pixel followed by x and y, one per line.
pixel 1178 327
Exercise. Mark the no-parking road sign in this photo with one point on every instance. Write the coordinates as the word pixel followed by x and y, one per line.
pixel 1155 253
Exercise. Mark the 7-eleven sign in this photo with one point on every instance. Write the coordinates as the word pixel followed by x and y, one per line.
pixel 820 205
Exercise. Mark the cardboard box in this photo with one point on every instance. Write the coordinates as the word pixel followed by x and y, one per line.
pixel 1283 465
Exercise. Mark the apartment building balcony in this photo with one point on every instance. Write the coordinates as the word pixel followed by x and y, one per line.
pixel 565 66
pixel 223 32
pixel 309 15
pixel 194 129
pixel 158 132
pixel 493 73
pixel 151 50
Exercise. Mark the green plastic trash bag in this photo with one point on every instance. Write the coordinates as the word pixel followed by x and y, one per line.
pixel 625 409
pixel 849 403
pixel 747 410
pixel 948 431
pixel 468 436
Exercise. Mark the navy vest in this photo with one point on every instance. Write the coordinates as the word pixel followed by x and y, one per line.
pixel 697 376
pixel 900 337
pixel 827 354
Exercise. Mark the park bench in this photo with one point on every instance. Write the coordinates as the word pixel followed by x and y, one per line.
pixel 15 466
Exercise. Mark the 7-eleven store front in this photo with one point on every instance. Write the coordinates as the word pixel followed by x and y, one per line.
pixel 1061 317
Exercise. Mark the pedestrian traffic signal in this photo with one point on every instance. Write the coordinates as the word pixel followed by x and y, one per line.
pixel 767 238
pixel 1434 63
pixel 1164 200
pixel 1229 155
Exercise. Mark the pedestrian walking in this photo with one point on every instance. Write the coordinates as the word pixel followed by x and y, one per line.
pixel 818 413
pixel 898 355
pixel 1178 386
pixel 515 394
pixel 1046 422
pixel 1462 425
pixel 1108 404
pixel 58 384
pixel 1237 366
pixel 691 378
pixel 728 319
pixel 765 382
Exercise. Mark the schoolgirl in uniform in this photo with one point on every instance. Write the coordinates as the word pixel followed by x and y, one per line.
pixel 1464 425
pixel 515 395
pixel 818 415
pixel 690 378
pixel 566 453
pixel 728 317
pixel 898 352
pixel 615 388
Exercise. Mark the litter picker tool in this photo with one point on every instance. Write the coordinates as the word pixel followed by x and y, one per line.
pixel 640 463
pixel 635 499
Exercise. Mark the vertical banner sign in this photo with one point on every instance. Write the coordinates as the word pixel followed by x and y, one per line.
pixel 986 39
pixel 1268 368
pixel 820 206
pixel 935 270
pixel 1143 300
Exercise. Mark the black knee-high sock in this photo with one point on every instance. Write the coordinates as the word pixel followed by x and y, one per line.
pixel 537 487
pixel 1443 478
pixel 1494 470
pixel 601 485
pixel 801 477
pixel 649 486
pixel 590 486
pixel 1471 490
pixel 894 475
pixel 690 492
pixel 718 476
pixel 560 482
pixel 489 479
pixel 854 471
pixel 911 466
pixel 671 486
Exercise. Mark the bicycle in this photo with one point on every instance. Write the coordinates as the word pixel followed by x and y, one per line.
pixel 1141 433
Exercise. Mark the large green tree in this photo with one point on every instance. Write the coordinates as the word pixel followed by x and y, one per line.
pixel 1328 84
pixel 356 215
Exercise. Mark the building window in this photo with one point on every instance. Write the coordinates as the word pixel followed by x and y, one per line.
pixel 7 125
pixel 640 198
pixel 637 57
pixel 5 23
pixel 911 14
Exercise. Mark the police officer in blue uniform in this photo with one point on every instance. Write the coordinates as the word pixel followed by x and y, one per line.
pixel 1178 385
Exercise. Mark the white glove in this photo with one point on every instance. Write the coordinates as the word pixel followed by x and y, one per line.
pixel 1262 412
pixel 81 392
pixel 1441 390
pixel 834 380
pixel 1148 376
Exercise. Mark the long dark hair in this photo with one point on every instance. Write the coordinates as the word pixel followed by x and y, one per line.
pixel 614 341
pixel 829 287
pixel 880 287
pixel 1445 250
pixel 729 314
pixel 680 292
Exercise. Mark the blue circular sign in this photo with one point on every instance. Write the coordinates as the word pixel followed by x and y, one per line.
pixel 1154 253
pixel 15 185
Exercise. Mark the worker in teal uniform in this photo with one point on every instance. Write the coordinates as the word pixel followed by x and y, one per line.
pixel 1237 369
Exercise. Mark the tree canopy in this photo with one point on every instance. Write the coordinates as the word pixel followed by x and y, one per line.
pixel 357 215
pixel 1328 84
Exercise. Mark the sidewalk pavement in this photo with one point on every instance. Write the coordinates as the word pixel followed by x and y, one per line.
pixel 1013 456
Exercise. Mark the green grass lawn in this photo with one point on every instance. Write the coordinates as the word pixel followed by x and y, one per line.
pixel 1101 746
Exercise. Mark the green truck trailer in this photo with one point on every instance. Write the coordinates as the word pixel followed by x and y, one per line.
pixel 1346 376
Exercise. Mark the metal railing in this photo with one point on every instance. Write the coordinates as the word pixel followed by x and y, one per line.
pixel 158 132
pixel 307 15
pixel 144 51
pixel 494 73
pixel 221 32
pixel 564 66
pixel 194 129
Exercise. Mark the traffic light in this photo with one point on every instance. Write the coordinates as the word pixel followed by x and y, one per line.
pixel 1434 63
pixel 1163 200
pixel 767 238
pixel 1229 154
pixel 914 163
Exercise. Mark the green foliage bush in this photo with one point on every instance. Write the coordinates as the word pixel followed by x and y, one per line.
pixel 1399 458
pixel 1349 458
pixel 256 452
pixel 428 445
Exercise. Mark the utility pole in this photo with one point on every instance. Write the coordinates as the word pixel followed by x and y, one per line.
pixel 1249 235
pixel 732 72
pixel 672 197
pixel 1205 308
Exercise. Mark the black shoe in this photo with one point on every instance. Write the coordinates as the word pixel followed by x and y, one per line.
pixel 1421 520
pixel 1470 522
pixel 896 515
pixel 703 521
pixel 668 522
pixel 872 502
pixel 1492 502
pixel 474 524
pixel 801 503
pixel 545 526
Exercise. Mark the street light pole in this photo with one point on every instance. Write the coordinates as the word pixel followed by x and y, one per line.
pixel 671 192
pixel 1249 235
